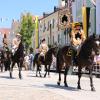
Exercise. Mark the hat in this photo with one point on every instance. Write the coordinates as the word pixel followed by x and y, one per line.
pixel 18 34
pixel 43 39
pixel 77 24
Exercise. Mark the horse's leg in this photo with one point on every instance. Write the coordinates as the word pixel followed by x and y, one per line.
pixel 11 69
pixel 59 71
pixel 58 66
pixel 65 75
pixel 1 65
pixel 91 80
pixel 39 70
pixel 59 80
pixel 49 70
pixel 20 68
pixel 45 71
pixel 5 65
pixel 9 63
pixel 79 77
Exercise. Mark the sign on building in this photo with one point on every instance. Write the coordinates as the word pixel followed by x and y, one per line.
pixel 64 18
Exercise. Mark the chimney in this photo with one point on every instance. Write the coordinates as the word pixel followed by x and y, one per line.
pixel 55 8
pixel 43 14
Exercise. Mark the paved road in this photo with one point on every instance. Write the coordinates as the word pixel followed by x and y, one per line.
pixel 36 88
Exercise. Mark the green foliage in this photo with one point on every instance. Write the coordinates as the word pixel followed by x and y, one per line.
pixel 27 29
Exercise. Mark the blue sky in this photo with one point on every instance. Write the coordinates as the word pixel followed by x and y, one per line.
pixel 12 9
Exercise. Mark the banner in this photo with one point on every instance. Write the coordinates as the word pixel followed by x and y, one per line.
pixel 36 33
pixel 86 18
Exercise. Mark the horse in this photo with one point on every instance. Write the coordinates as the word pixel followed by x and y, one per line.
pixel 85 57
pixel 47 61
pixel 18 58
pixel 5 59
pixel 1 60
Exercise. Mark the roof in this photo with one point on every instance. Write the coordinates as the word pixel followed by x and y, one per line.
pixel 5 30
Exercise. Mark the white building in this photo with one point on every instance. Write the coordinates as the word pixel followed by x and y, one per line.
pixel 48 28
pixel 15 27
pixel 2 32
pixel 98 16
pixel 1 38
pixel 51 27
pixel 77 13
pixel 62 3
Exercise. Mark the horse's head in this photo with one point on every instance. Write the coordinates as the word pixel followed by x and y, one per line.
pixel 95 44
pixel 54 50
pixel 91 46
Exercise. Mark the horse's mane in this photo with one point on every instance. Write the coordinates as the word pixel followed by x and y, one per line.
pixel 20 50
pixel 21 46
pixel 50 50
pixel 90 39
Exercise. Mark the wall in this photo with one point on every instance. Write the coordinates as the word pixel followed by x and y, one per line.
pixel 97 16
pixel 47 26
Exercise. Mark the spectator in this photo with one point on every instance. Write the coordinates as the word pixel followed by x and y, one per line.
pixel 31 57
pixel 26 62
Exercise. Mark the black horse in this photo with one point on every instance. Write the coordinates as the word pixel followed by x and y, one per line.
pixel 18 58
pixel 47 60
pixel 1 59
pixel 85 58
pixel 5 59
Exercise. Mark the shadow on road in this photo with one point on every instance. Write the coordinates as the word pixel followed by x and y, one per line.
pixel 35 76
pixel 61 87
pixel 7 77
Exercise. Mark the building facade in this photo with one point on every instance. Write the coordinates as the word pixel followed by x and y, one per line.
pixel 15 28
pixel 48 28
pixel 51 27
pixel 35 37
pixel 98 16
pixel 79 8
pixel 2 32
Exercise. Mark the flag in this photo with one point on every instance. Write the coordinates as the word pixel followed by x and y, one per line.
pixel 86 17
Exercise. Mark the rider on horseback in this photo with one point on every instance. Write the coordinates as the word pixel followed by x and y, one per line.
pixel 77 38
pixel 5 43
pixel 15 43
pixel 43 49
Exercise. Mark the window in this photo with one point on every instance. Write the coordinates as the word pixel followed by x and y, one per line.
pixel 44 27
pixel 58 38
pixel 48 40
pixel 53 40
pixel 53 23
pixel 48 26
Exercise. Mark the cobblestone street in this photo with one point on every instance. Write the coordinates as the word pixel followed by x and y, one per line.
pixel 36 88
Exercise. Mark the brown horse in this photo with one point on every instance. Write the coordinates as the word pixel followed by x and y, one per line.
pixel 85 58
pixel 47 61
pixel 5 59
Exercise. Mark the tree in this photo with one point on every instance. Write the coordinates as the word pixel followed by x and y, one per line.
pixel 27 29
